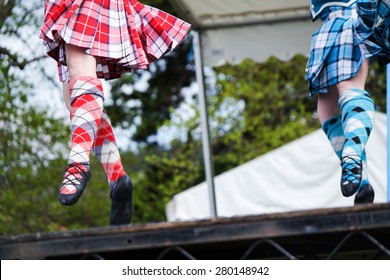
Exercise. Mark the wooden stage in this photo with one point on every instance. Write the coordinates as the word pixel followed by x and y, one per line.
pixel 361 232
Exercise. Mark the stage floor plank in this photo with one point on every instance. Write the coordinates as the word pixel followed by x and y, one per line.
pixel 360 232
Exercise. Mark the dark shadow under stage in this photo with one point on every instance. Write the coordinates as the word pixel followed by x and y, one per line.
pixel 361 232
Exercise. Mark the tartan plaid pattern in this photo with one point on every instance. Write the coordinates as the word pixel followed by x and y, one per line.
pixel 341 44
pixel 316 6
pixel 87 107
pixel 358 112
pixel 106 150
pixel 357 119
pixel 382 11
pixel 333 129
pixel 124 35
pixel 381 33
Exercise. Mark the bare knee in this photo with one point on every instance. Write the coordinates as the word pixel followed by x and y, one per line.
pixel 328 105
pixel 79 62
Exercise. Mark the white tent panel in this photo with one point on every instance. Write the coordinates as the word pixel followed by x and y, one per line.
pixel 257 42
pixel 204 14
pixel 300 175
pixel 233 30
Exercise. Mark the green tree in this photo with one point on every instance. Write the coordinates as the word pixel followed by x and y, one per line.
pixel 376 86
pixel 34 143
pixel 276 108
pixel 19 21
pixel 253 109
pixel 27 137
pixel 147 109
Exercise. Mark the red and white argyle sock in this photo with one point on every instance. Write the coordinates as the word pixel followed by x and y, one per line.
pixel 106 150
pixel 86 95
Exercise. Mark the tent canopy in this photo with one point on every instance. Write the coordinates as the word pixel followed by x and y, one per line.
pixel 211 14
pixel 229 31
pixel 301 175
pixel 233 30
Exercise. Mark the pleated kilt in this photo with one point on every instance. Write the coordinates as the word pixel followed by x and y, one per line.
pixel 347 37
pixel 123 35
pixel 381 25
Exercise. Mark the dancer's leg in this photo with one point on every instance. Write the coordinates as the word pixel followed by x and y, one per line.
pixel 332 124
pixel 334 131
pixel 86 105
pixel 107 152
pixel 358 119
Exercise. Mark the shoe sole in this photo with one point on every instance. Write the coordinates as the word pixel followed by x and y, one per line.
pixel 122 204
pixel 365 195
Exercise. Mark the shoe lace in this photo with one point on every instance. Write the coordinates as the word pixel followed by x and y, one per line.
pixel 73 173
pixel 351 166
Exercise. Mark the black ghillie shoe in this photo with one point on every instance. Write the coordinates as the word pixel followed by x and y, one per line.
pixel 351 175
pixel 121 202
pixel 76 175
pixel 364 195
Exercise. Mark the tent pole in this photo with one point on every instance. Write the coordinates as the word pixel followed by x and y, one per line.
pixel 204 122
pixel 388 128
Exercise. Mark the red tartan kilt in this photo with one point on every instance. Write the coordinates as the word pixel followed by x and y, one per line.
pixel 124 35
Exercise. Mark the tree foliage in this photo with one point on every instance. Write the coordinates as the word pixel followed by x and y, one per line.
pixel 253 108
pixel 27 137
pixel 147 109
pixel 33 143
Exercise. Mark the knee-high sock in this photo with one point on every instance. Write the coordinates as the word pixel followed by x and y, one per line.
pixel 87 105
pixel 334 131
pixel 357 111
pixel 106 150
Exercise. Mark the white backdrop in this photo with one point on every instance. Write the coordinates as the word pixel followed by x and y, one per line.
pixel 233 30
pixel 303 174
pixel 230 31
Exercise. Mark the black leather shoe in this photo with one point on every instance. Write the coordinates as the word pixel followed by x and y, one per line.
pixel 77 175
pixel 121 202
pixel 365 195
pixel 351 175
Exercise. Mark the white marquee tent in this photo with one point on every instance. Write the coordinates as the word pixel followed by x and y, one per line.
pixel 303 174
pixel 230 31
pixel 233 30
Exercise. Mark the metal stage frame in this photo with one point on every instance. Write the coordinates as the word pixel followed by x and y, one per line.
pixel 361 232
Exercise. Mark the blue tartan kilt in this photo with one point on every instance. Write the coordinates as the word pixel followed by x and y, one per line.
pixel 347 37
pixel 381 34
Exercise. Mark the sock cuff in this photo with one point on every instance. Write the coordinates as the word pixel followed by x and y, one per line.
pixel 85 85
pixel 358 97
pixel 90 79
pixel 354 93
